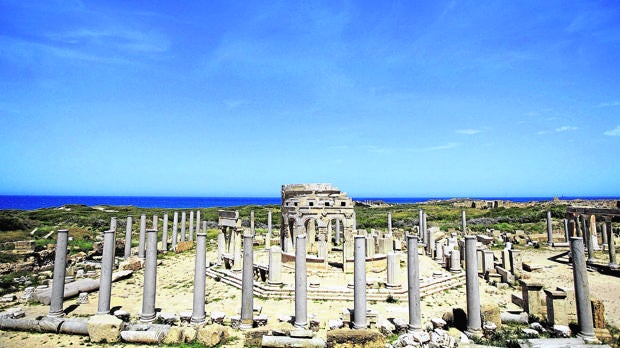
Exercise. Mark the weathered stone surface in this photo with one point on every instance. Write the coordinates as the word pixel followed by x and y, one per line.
pixel 438 323
pixel 385 327
pixel 598 314
pixel 254 337
pixel 212 335
pixel 184 246
pixel 490 313
pixel 189 334
pixel 561 330
pixel 529 332
pixel 104 329
pixel 281 328
pixel 355 338
pixel 174 336
pixel 133 263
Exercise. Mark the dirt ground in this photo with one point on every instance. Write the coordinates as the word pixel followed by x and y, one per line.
pixel 175 286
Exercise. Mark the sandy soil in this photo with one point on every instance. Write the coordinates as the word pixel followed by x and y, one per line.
pixel 175 286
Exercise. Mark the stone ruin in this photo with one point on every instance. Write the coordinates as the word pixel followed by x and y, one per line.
pixel 310 212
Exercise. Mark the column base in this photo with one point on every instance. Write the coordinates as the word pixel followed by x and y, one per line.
pixel 103 312
pixel 474 332
pixel 56 314
pixel 414 328
pixel 392 286
pixel 614 266
pixel 276 283
pixel 588 339
pixel 147 318
pixel 198 320
pixel 246 324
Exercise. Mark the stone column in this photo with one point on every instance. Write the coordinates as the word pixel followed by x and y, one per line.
pixel 150 278
pixel 301 283
pixel 474 320
pixel 142 236
pixel 155 222
pixel 190 236
pixel 438 251
pixel 582 289
pixel 113 223
pixel 425 229
pixel 337 240
pixel 237 266
pixel 587 236
pixel 604 235
pixel 247 283
pixel 392 271
pixel 611 247
pixel 107 266
pixel 275 265
pixel 549 229
pixel 164 233
pixel 175 226
pixel 198 312
pixel 58 282
pixel 389 223
pixel 359 283
pixel 566 234
pixel 421 225
pixel 268 236
pixel 413 281
pixel 197 221
pixel 204 227
pixel 221 241
pixel 455 261
pixel 183 217
pixel 128 237
pixel 464 221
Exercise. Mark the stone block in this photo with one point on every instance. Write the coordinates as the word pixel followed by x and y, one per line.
pixel 386 327
pixel 365 338
pixel 212 335
pixel 254 337
pixel 174 336
pixel 189 334
pixel 491 314
pixel 132 263
pixel 183 246
pixel 104 329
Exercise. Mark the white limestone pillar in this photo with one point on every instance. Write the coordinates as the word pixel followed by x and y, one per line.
pixel 549 229
pixel 58 281
pixel 247 283
pixel 190 236
pixel 464 222
pixel 183 218
pixel 474 320
pixel 198 312
pixel 221 241
pixel 275 265
pixel 582 289
pixel 389 223
pixel 301 282
pixel 268 236
pixel 142 236
pixel 413 281
pixel 127 253
pixel 164 233
pixel 359 283
pixel 175 226
pixel 197 221
pixel 107 266
pixel 150 278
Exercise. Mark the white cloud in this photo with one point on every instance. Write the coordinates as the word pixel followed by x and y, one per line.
pixel 436 148
pixel 565 128
pixel 613 132
pixel 468 131
pixel 608 104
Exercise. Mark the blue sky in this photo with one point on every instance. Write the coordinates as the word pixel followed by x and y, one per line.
pixel 224 98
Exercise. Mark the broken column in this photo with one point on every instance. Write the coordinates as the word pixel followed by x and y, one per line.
pixel 455 261
pixel 566 234
pixel 127 253
pixel 247 283
pixel 582 289
pixel 142 236
pixel 474 320
pixel 113 223
pixel 58 282
pixel 198 312
pixel 275 265
pixel 183 217
pixel 155 222
pixel 164 233
pixel 389 223
pixel 359 283
pixel 421 225
pixel 175 226
pixel 107 265
pixel 604 235
pixel 301 279
pixel 150 278
pixel 549 229
pixel 413 281
pixel 392 271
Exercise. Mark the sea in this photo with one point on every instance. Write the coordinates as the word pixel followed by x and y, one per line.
pixel 22 202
